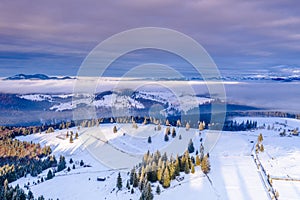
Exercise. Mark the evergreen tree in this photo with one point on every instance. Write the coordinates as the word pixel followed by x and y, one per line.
pixel 71 139
pixel 177 166
pixel 168 131
pixel 128 185
pixel 201 152
pixel 191 147
pixel 166 138
pixel 166 178
pixel 149 140
pixel 158 191
pixel 119 182
pixel 187 126
pixel 198 162
pixel 115 130
pixel 186 167
pixel 172 170
pixel 178 123
pixel 260 138
pixel 147 193
pixel 132 174
pixel 193 169
pixel 49 175
pixel 30 195
pixel 153 177
pixel 158 127
pixel 81 163
pixel 173 132
pixel 201 127
pixel 62 164
pixel 135 180
pixel 261 148
pixel 159 174
pixel 167 123
pixel 205 165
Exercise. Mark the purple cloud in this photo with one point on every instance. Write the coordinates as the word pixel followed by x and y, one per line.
pixel 235 33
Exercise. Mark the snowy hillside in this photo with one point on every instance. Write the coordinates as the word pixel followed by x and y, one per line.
pixel 234 173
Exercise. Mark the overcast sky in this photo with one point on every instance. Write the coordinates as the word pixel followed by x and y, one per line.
pixel 53 37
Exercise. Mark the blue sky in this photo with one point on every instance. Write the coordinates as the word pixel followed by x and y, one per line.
pixel 54 37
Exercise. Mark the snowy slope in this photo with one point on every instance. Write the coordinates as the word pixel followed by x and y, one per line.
pixel 234 174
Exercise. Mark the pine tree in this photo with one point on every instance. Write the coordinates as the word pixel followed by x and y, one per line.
pixel 153 177
pixel 205 165
pixel 191 147
pixel 71 139
pixel 177 166
pixel 149 140
pixel 131 177
pixel 166 178
pixel 172 171
pixel 135 180
pixel 260 138
pixel 128 185
pixel 158 127
pixel 187 126
pixel 159 174
pixel 201 152
pixel 49 175
pixel 115 130
pixel 168 131
pixel 81 163
pixel 167 123
pixel 186 167
pixel 62 164
pixel 147 193
pixel 261 148
pixel 201 127
pixel 119 182
pixel 198 162
pixel 166 138
pixel 193 169
pixel 158 191
pixel 30 195
pixel 178 123
pixel 173 132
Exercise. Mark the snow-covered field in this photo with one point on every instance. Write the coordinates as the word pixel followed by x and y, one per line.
pixel 234 174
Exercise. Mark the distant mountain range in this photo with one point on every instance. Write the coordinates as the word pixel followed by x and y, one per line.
pixel 36 77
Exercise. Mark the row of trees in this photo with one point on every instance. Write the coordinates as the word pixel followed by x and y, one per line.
pixel 15 193
pixel 242 126
pixel 21 168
